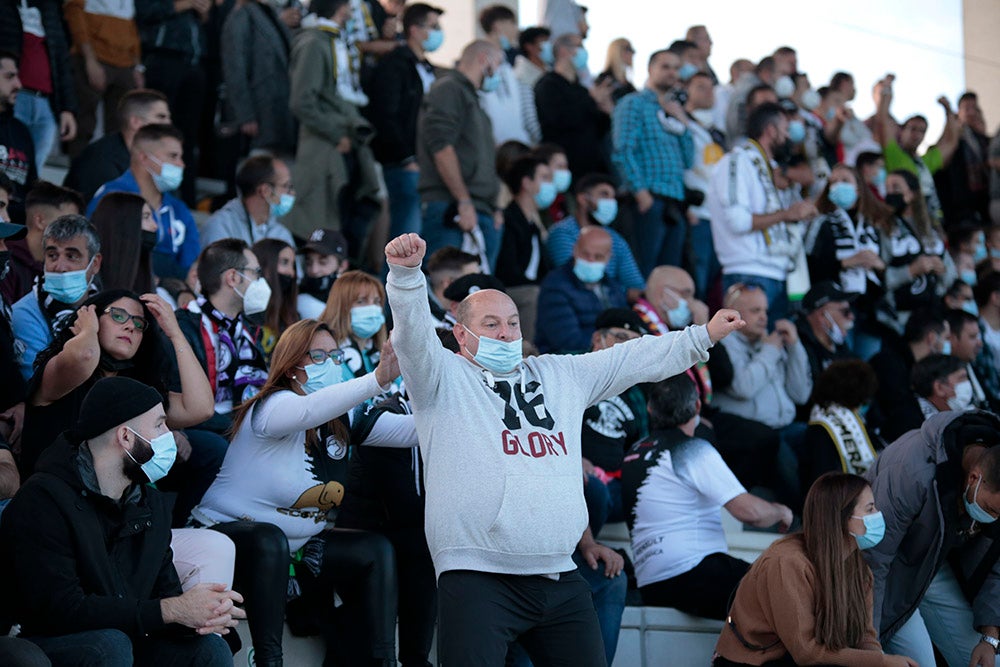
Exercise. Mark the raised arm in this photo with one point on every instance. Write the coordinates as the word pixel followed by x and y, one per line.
pixel 883 117
pixel 951 135
pixel 75 363
pixel 195 402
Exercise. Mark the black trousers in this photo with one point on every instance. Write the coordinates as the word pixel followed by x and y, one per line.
pixel 261 577
pixel 704 590
pixel 383 496
pixel 481 613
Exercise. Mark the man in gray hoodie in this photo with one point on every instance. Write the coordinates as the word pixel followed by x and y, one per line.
pixel 500 440
pixel 939 490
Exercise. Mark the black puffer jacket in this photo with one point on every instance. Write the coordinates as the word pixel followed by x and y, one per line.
pixel 12 36
pixel 75 560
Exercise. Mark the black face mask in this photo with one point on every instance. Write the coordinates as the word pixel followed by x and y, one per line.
pixel 148 240
pixel 317 287
pixel 286 283
pixel 895 201
pixel 4 263
pixel 111 365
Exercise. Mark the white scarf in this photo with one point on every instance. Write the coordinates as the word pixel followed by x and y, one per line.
pixel 848 434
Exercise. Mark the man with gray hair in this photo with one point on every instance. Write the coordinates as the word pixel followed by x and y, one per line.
pixel 72 261
pixel 454 142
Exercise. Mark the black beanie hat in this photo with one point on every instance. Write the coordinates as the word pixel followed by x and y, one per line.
pixel 111 402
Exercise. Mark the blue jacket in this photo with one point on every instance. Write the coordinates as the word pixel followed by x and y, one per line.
pixel 568 309
pixel 177 244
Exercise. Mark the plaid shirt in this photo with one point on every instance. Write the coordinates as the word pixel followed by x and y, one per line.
pixel 648 156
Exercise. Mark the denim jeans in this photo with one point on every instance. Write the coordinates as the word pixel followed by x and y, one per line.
pixel 944 617
pixel 113 648
pixel 404 201
pixel 659 241
pixel 705 266
pixel 604 502
pixel 36 112
pixel 777 296
pixel 439 236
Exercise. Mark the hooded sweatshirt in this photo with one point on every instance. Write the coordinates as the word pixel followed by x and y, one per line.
pixel 502 452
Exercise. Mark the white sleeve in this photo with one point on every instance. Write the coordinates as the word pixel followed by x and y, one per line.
pixel 286 412
pixel 732 187
pixel 392 430
pixel 702 466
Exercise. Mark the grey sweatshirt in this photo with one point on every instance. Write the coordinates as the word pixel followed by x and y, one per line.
pixel 502 453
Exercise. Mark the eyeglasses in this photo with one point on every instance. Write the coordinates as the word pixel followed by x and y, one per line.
pixel 257 272
pixel 121 316
pixel 319 356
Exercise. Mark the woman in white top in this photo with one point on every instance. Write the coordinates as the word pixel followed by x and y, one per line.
pixel 286 466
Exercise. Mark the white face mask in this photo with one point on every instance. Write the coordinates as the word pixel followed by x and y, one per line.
pixel 256 297
pixel 962 400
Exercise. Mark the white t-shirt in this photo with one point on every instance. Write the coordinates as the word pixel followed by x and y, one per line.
pixel 677 521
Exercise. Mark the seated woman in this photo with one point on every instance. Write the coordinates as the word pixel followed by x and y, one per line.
pixel 287 466
pixel 808 598
pixel 837 439
pixel 277 265
pixel 355 315
pixel 844 244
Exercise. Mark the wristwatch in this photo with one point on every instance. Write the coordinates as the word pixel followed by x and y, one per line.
pixel 992 641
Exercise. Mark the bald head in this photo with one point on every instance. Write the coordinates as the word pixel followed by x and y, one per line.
pixel 478 50
pixel 488 313
pixel 593 245
pixel 672 278
pixel 486 301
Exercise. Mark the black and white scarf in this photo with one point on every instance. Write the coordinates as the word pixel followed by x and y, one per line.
pixel 848 434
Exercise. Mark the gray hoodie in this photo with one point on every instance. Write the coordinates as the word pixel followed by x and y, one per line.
pixel 502 453
pixel 232 221
pixel 918 481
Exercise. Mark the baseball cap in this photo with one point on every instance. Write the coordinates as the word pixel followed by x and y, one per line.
pixel 823 293
pixel 10 231
pixel 326 242
pixel 620 318
pixel 470 284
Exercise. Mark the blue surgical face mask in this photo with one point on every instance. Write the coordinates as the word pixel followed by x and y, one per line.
pixel 284 205
pixel 68 287
pixel 605 211
pixel 796 131
pixel 863 410
pixel 497 356
pixel 367 320
pixel 844 195
pixel 546 194
pixel 680 316
pixel 589 272
pixel 562 178
pixel 435 38
pixel 969 277
pixel 321 375
pixel 976 513
pixel 687 71
pixel 164 454
pixel 490 82
pixel 971 308
pixel 546 54
pixel 880 177
pixel 580 58
pixel 946 348
pixel 170 176
pixel 874 530
pixel 505 43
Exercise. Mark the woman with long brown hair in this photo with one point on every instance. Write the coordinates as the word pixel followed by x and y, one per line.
pixel 287 466
pixel 355 314
pixel 808 598
pixel 128 233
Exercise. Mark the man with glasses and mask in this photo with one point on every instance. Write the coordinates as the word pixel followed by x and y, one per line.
pixel 266 194
pixel 72 261
pixel 85 546
pixel 219 330
pixel 155 172
pixel 824 324
pixel 505 506
pixel 454 138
